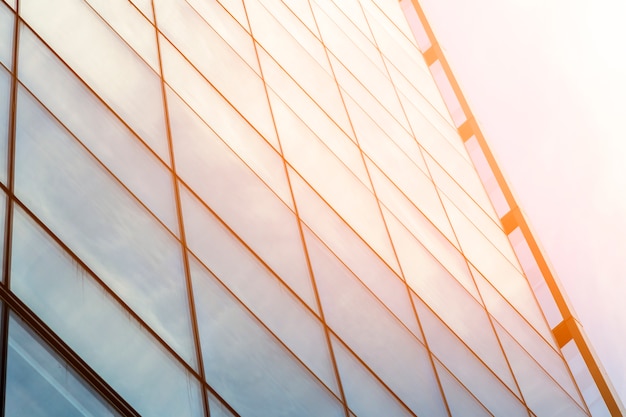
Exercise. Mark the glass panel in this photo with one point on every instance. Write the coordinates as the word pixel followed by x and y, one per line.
pixel 198 104
pixel 352 87
pixel 470 207
pixel 253 284
pixel 365 395
pixel 145 6
pixel 535 278
pixel 422 270
pixel 461 402
pixel 39 383
pixel 218 409
pixel 223 23
pixel 497 269
pixel 303 11
pixel 389 349
pixel 398 49
pixel 439 290
pixel 363 61
pixel 297 28
pixel 390 10
pixel 5 104
pixel 542 394
pixel 7 22
pixel 382 148
pixel 247 366
pixel 415 24
pixel 488 179
pixel 425 232
pixel 528 338
pixel 419 190
pixel 130 25
pixel 98 220
pixel 96 327
pixel 105 62
pixel 448 93
pixel 227 72
pixel 237 10
pixel 240 198
pixel 97 128
pixel 311 115
pixel 465 366
pixel 584 380
pixel 352 10
pixel 343 191
pixel 297 62
pixel 355 254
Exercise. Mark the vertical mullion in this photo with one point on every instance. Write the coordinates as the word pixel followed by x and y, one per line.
pixel 301 231
pixel 378 203
pixel 6 267
pixel 181 225
pixel 428 171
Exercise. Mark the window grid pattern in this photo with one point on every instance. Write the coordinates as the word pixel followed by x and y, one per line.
pixel 314 219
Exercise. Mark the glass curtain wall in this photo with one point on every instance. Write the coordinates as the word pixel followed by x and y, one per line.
pixel 250 208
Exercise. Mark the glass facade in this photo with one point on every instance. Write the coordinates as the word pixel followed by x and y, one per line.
pixel 256 208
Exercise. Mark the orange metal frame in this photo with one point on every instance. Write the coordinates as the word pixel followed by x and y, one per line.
pixel 569 328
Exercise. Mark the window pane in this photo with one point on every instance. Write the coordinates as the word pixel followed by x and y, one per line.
pixel 216 60
pixel 357 256
pixel 497 269
pixel 217 408
pixel 528 338
pixel 465 366
pixel 130 25
pixel 39 383
pixel 123 244
pixel 239 197
pixel 296 114
pixel 365 395
pixel 97 128
pixel 245 364
pixel 255 286
pixel 337 185
pixel 389 349
pixel 105 62
pixel 542 394
pixel 197 109
pixel 439 290
pixel 297 61
pixel 96 327
pixel 5 104
pixel 460 401
pixel 7 22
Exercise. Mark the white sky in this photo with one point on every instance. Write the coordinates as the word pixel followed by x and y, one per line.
pixel 546 80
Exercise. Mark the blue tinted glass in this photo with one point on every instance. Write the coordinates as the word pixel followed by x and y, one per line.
pixel 124 245
pixel 96 327
pixel 7 20
pixel 5 102
pixel 247 366
pixel 40 384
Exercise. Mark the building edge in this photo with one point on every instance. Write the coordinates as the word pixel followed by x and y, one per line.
pixel 569 329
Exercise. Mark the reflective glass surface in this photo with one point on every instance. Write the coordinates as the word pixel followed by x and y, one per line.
pixel 108 229
pixel 248 367
pixel 256 208
pixel 7 23
pixel 97 327
pixel 40 384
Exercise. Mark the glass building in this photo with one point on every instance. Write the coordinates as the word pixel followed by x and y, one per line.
pixel 263 208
